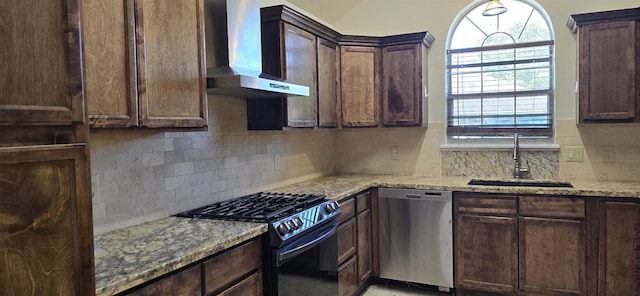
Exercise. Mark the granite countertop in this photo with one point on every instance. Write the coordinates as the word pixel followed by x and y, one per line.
pixel 341 186
pixel 130 256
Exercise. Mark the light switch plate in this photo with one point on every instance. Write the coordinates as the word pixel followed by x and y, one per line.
pixel 574 154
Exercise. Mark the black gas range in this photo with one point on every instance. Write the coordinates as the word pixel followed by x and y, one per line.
pixel 301 240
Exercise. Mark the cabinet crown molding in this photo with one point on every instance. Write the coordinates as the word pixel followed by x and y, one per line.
pixel 577 20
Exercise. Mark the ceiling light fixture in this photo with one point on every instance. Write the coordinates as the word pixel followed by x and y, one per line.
pixel 494 7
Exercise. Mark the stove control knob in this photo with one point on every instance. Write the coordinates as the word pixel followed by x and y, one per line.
pixel 283 229
pixel 329 208
pixel 292 225
pixel 298 221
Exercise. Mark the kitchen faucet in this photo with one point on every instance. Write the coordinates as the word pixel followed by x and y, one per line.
pixel 518 170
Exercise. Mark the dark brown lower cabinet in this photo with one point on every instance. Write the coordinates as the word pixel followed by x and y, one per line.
pixel 236 272
pixel 364 247
pixel 185 282
pixel 250 286
pixel 348 277
pixel 486 252
pixel 619 248
pixel 355 243
pixel 552 256
pixel 522 245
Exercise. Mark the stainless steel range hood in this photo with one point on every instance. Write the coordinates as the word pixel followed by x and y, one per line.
pixel 234 52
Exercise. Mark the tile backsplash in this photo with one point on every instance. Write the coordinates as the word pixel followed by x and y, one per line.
pixel 143 174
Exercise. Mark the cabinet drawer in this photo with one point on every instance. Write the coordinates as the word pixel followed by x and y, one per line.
pixel 347 277
pixel 251 286
pixel 551 206
pixel 347 209
pixel 487 204
pixel 223 270
pixel 363 201
pixel 346 240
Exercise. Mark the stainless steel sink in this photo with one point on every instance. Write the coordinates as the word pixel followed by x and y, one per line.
pixel 520 183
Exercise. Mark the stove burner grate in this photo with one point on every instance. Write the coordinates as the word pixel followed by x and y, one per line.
pixel 258 207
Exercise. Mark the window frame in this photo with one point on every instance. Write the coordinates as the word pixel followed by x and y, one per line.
pixel 488 135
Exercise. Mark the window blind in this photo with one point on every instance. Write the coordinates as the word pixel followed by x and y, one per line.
pixel 499 90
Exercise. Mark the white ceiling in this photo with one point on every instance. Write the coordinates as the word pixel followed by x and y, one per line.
pixel 327 10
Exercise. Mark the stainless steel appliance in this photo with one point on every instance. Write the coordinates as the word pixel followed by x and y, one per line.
pixel 416 236
pixel 234 52
pixel 301 227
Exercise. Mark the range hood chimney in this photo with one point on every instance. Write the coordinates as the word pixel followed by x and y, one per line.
pixel 234 53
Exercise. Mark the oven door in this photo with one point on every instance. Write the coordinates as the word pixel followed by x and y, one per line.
pixel 300 265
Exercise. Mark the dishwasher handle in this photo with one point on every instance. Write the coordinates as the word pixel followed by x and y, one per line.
pixel 415 194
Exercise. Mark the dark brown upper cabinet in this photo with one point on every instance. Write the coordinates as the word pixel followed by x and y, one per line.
pixel 354 81
pixel 41 63
pixel 328 83
pixel 299 50
pixel 608 65
pixel 290 54
pixel 360 67
pixel 144 63
pixel 404 87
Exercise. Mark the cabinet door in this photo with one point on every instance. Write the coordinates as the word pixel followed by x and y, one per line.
pixel 486 249
pixel 619 249
pixel 359 82
pixel 181 283
pixel 328 83
pixel 364 246
pixel 41 63
pixel 347 236
pixel 46 234
pixel 403 85
pixel 608 71
pixel 171 63
pixel 250 286
pixel 552 256
pixel 348 277
pixel 110 80
pixel 300 68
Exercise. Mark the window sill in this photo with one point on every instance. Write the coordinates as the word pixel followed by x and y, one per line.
pixel 500 147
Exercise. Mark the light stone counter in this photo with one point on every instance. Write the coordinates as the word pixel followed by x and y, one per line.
pixel 130 256
pixel 341 186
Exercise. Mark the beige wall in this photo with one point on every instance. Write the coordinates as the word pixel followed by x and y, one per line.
pixel 368 150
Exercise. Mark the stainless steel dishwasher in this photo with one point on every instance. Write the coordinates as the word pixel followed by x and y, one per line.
pixel 416 236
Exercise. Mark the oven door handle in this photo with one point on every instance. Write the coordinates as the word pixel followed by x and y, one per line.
pixel 307 242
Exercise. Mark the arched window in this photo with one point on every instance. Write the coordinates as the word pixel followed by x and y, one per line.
pixel 500 73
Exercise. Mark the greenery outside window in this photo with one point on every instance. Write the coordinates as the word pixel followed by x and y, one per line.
pixel 500 74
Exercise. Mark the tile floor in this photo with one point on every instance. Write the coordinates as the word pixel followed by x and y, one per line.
pixel 383 290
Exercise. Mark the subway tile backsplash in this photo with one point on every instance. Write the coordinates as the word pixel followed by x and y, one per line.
pixel 143 174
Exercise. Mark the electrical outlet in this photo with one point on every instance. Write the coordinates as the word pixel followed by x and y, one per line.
pixel 395 154
pixel 574 154
pixel 276 162
pixel 608 154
